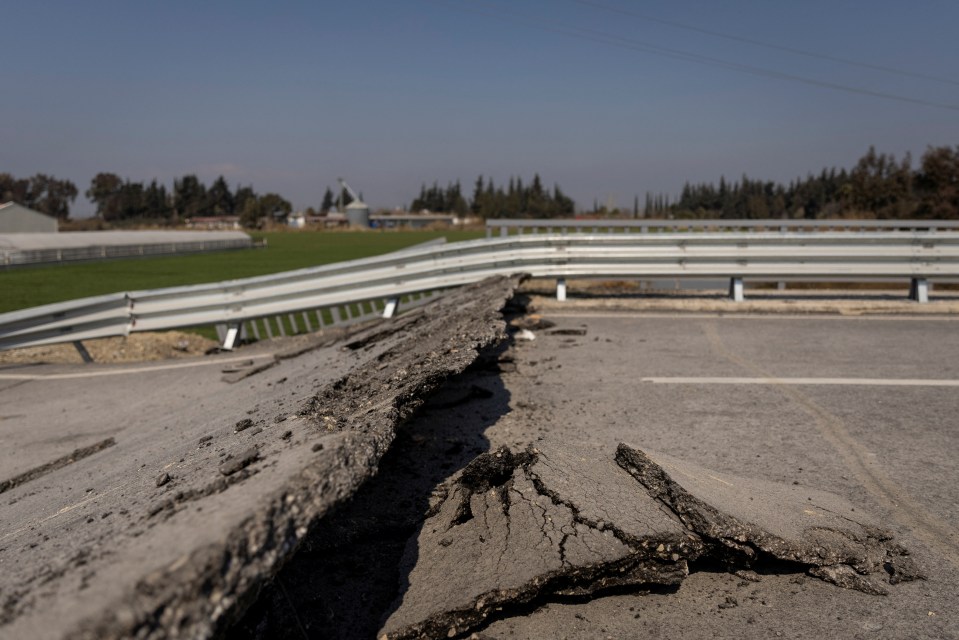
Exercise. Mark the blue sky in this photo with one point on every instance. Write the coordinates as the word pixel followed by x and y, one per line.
pixel 600 97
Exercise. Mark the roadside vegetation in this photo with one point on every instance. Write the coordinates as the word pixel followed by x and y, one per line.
pixel 284 251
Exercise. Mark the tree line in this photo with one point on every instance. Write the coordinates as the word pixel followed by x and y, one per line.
pixel 879 186
pixel 42 193
pixel 516 199
pixel 120 200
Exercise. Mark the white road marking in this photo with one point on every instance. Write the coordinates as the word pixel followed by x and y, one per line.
pixel 121 372
pixel 864 382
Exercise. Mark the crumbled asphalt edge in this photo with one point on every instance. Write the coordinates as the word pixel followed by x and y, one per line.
pixel 199 598
pixel 652 562
pixel 53 465
pixel 852 564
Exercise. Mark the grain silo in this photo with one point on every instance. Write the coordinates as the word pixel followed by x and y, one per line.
pixel 357 212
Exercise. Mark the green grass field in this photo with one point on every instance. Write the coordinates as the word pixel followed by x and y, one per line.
pixel 29 287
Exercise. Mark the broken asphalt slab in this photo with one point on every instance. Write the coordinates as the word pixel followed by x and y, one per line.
pixel 561 520
pixel 134 557
pixel 758 520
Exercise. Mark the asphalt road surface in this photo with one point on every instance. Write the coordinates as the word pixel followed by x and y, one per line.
pixel 864 408
pixel 152 501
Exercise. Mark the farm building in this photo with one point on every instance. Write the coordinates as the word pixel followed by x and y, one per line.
pixel 16 218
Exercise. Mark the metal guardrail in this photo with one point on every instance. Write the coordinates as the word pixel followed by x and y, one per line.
pixel 646 225
pixel 916 256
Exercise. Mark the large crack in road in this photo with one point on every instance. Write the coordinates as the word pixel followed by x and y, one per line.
pixel 568 520
pixel 366 523
pixel 190 548
pixel 445 541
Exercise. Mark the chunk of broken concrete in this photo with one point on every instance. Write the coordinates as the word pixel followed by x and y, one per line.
pixel 756 520
pixel 568 520
pixel 514 527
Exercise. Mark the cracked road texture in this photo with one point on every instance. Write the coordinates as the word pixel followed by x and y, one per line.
pixel 562 519
pixel 132 558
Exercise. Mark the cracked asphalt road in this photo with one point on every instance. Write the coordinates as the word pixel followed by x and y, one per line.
pixel 591 381
pixel 213 473
pixel 565 520
pixel 804 410
pixel 889 450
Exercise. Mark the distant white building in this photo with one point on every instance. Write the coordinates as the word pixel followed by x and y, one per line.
pixel 411 220
pixel 213 222
pixel 296 220
pixel 16 218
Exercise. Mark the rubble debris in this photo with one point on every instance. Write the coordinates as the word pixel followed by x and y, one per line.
pixel 162 479
pixel 240 461
pixel 567 332
pixel 532 321
pixel 563 519
pixel 242 425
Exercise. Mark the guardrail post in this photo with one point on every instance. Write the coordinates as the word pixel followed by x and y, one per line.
pixel 392 304
pixel 561 289
pixel 232 333
pixel 736 289
pixel 919 290
pixel 503 232
pixel 82 350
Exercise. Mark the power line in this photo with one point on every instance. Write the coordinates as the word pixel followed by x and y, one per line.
pixel 769 45
pixel 601 37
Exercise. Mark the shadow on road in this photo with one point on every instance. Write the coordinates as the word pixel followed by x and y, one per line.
pixel 343 581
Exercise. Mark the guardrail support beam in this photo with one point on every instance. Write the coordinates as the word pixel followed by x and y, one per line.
pixel 736 289
pixel 232 333
pixel 919 290
pixel 561 289
pixel 82 350
pixel 392 304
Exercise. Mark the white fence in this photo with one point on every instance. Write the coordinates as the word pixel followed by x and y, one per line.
pixel 913 256
pixel 26 249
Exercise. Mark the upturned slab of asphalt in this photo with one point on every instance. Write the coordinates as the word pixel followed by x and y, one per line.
pixel 154 500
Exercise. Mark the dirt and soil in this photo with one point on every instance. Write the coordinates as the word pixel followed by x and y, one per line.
pixel 137 347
